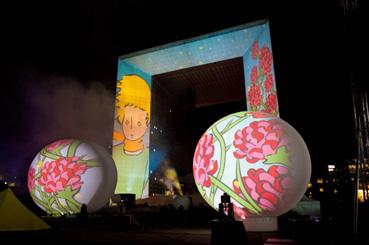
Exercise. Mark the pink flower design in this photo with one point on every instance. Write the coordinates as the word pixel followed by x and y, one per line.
pixel 267 189
pixel 255 50
pixel 31 179
pixel 265 59
pixel 254 95
pixel 260 114
pixel 254 74
pixel 258 140
pixel 58 175
pixel 56 144
pixel 268 84
pixel 239 212
pixel 271 102
pixel 203 165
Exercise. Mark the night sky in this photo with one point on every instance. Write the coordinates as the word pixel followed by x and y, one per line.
pixel 59 65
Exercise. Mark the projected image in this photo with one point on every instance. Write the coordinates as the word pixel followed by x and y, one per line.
pixel 131 153
pixel 68 173
pixel 193 83
pixel 259 76
pixel 257 158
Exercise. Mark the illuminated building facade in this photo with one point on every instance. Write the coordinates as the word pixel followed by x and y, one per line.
pixel 133 129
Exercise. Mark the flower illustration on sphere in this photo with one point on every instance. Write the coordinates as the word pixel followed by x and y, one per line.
pixel 265 59
pixel 239 212
pixel 266 188
pixel 255 50
pixel 58 143
pixel 254 95
pixel 31 179
pixel 258 140
pixel 271 102
pixel 203 165
pixel 254 74
pixel 57 175
pixel 268 82
pixel 260 114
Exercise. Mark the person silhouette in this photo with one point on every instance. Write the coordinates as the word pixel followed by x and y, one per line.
pixel 83 214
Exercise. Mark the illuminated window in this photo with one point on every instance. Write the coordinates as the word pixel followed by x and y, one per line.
pixel 310 185
pixel 335 191
pixel 360 195
pixel 319 181
pixel 321 190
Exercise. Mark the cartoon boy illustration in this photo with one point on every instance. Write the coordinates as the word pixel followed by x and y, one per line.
pixel 133 117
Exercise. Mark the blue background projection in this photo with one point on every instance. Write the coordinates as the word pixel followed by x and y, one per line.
pixel 224 45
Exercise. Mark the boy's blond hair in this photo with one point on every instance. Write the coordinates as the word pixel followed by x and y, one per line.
pixel 133 91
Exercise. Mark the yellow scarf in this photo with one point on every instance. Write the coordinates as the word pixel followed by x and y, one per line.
pixel 129 145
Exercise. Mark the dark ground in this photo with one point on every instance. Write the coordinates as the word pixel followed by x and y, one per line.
pixel 168 226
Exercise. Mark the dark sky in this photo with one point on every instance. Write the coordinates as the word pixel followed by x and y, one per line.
pixel 59 64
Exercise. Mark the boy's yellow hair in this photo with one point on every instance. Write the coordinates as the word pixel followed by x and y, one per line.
pixel 133 91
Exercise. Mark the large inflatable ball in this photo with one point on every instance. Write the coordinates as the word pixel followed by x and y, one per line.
pixel 256 158
pixel 68 173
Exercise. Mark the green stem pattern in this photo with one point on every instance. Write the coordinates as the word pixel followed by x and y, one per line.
pixel 73 148
pixel 73 205
pixel 50 154
pixel 241 116
pixel 40 202
pixel 60 206
pixel 44 200
pixel 202 192
pixel 221 163
pixel 238 114
pixel 242 187
pixel 230 192
pixel 90 163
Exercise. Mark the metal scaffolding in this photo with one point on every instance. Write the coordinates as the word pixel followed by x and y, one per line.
pixel 361 117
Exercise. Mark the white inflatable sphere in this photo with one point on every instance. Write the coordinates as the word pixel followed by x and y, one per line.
pixel 68 173
pixel 258 159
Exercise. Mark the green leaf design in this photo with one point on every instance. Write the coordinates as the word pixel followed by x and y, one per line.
pixel 242 116
pixel 222 160
pixel 50 155
pixel 58 149
pixel 40 202
pixel 234 195
pixel 68 195
pixel 243 190
pixel 73 148
pixel 91 163
pixel 280 157
pixel 60 205
pixel 74 206
pixel 38 175
pixel 229 146
pixel 46 201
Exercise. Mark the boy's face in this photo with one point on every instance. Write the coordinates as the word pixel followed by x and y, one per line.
pixel 134 122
